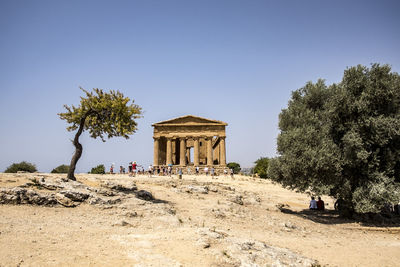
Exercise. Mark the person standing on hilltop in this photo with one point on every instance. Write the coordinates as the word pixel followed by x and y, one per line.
pixel 112 169
pixel 134 168
pixel 169 171
pixel 179 173
pixel 130 167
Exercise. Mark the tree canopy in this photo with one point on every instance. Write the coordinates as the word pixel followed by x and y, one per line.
pixel 101 114
pixel 261 167
pixel 344 139
pixel 235 166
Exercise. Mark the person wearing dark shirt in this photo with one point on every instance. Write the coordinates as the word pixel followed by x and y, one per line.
pixel 320 204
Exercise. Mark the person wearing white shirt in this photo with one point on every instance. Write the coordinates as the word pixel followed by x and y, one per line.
pixel 313 204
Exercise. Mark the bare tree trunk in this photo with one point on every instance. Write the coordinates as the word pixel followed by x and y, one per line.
pixel 78 150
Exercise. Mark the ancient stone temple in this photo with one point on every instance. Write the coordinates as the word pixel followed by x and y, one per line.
pixel 189 141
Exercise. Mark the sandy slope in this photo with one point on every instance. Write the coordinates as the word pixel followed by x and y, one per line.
pixel 230 223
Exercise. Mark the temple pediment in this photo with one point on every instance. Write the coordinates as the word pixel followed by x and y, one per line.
pixel 189 120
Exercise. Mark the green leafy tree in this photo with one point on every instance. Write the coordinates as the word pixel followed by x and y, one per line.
pixel 235 166
pixel 261 167
pixel 344 140
pixel 101 114
pixel 61 169
pixel 99 169
pixel 22 166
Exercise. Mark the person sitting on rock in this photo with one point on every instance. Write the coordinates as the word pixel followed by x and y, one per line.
pixel 313 204
pixel 320 204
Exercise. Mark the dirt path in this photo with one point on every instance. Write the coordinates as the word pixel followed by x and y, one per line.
pixel 197 221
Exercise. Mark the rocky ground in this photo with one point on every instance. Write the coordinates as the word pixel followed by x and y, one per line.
pixel 117 220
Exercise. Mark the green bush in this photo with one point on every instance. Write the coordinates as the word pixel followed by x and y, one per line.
pixel 22 166
pixel 235 166
pixel 100 169
pixel 61 169
pixel 261 167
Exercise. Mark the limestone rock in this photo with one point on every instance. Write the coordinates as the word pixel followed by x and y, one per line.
pixel 122 223
pixel 229 188
pixel 105 192
pixel 131 214
pixel 75 195
pixel 96 200
pixel 121 187
pixel 213 189
pixel 218 214
pixel 238 199
pixel 64 201
pixel 145 195
pixel 196 189
pixel 18 195
pixel 289 225
pixel 256 253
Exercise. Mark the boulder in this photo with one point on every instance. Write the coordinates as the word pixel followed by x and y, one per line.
pixel 120 187
pixel 64 201
pixel 145 195
pixel 196 189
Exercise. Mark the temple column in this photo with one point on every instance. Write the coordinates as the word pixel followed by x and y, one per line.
pixel 169 151
pixel 156 151
pixel 222 151
pixel 209 151
pixel 188 155
pixel 196 153
pixel 182 156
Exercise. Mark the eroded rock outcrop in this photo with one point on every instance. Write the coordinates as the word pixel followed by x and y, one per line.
pixel 19 195
pixel 50 191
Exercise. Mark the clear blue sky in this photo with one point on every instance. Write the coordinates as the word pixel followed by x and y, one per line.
pixel 235 61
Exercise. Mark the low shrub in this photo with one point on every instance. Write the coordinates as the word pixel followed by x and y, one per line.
pixel 99 169
pixel 22 166
pixel 61 169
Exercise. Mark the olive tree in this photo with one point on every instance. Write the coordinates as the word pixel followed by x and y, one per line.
pixel 101 114
pixel 344 139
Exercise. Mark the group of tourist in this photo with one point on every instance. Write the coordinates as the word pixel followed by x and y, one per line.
pixel 135 169
pixel 317 205
pixel 320 205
